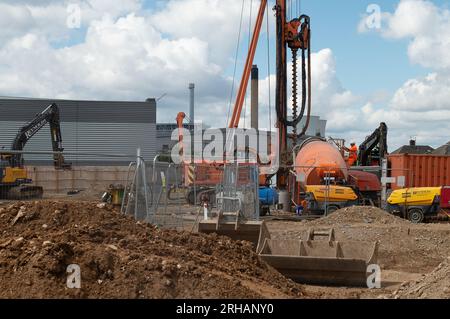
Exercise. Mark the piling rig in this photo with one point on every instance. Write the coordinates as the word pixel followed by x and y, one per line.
pixel 311 261
pixel 294 35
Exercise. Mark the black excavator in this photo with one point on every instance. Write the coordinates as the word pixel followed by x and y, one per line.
pixel 374 148
pixel 14 180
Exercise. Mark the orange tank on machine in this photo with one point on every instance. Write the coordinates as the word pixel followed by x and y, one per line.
pixel 319 159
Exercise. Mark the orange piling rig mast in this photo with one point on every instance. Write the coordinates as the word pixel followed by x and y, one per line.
pixel 295 35
pixel 235 118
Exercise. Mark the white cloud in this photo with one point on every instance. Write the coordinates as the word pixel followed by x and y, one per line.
pixel 130 53
pixel 413 18
pixel 424 102
pixel 329 97
pixel 429 93
pixel 213 21
pixel 425 24
pixel 123 56
pixel 49 18
pixel 421 106
pixel 14 21
pixel 141 55
pixel 327 90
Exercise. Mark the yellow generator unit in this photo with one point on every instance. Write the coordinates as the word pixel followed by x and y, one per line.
pixel 333 197
pixel 415 204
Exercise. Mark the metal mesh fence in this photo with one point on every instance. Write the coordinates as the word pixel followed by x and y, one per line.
pixel 239 190
pixel 155 193
pixel 170 195
pixel 167 195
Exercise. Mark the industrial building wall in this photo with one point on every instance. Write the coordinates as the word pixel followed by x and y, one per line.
pixel 163 137
pixel 90 180
pixel 87 127
pixel 165 143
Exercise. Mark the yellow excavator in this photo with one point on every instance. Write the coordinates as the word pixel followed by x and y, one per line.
pixel 14 180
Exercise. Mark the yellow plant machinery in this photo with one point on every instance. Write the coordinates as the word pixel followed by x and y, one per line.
pixel 419 204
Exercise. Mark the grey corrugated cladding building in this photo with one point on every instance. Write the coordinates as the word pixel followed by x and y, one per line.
pixel 164 133
pixel 87 127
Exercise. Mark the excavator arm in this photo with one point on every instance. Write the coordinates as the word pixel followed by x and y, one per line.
pixel 51 116
pixel 376 142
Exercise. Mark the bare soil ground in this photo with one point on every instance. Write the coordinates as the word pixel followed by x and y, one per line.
pixel 407 251
pixel 433 285
pixel 122 258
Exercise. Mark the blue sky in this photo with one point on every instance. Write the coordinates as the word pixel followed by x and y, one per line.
pixel 364 61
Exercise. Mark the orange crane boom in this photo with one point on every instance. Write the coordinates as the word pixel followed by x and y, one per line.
pixel 234 122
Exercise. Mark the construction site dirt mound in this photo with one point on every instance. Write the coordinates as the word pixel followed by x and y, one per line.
pixel 435 285
pixel 406 250
pixel 121 258
pixel 360 215
pixel 403 246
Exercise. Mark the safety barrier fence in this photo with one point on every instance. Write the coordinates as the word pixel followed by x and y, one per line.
pixel 171 195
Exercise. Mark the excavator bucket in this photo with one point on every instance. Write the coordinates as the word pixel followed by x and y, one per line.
pixel 323 262
pixel 236 229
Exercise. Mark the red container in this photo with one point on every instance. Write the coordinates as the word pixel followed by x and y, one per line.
pixel 445 197
pixel 420 170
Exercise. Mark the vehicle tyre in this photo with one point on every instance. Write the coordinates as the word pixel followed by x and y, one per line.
pixel 264 211
pixel 190 197
pixel 416 215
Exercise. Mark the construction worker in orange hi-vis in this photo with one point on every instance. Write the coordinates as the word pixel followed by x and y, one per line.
pixel 353 154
